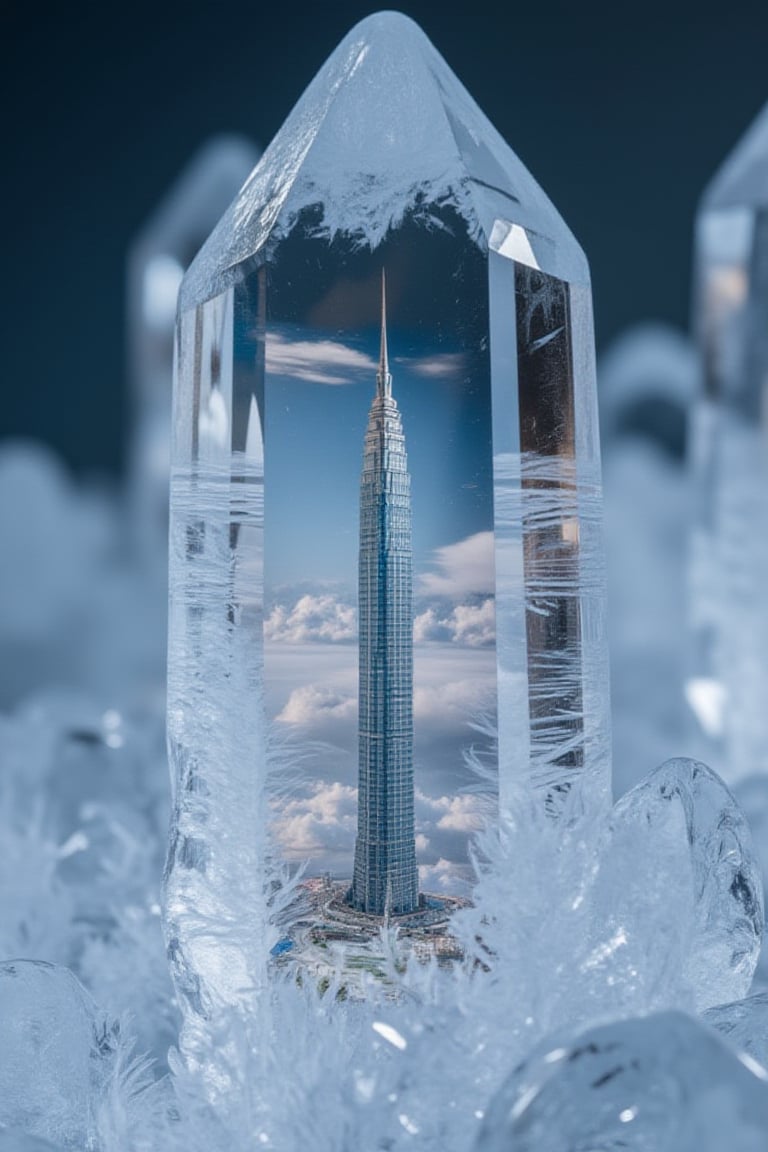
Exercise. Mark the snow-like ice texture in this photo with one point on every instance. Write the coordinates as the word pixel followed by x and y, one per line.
pixel 646 381
pixel 636 907
pixel 449 153
pixel 83 811
pixel 745 1023
pixel 60 1058
pixel 726 892
pixel 662 1084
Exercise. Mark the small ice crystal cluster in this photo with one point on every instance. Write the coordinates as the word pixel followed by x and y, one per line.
pixel 563 1026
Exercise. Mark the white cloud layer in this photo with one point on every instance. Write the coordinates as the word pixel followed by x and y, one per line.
pixel 473 625
pixel 321 823
pixel 316 361
pixel 434 367
pixel 318 706
pixel 462 569
pixel 312 618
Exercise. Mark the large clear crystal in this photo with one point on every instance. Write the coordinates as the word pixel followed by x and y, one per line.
pixel 728 684
pixel 385 529
pixel 157 261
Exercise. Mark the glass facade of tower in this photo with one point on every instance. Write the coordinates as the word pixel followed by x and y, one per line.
pixel 385 875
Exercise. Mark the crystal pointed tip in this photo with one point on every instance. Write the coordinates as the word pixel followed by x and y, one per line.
pixel 384 130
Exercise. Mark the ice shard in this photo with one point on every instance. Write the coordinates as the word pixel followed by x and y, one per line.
pixel 728 679
pixel 159 256
pixel 343 617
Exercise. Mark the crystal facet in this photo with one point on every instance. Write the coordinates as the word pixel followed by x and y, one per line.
pixel 723 940
pixel 728 682
pixel 159 256
pixel 460 589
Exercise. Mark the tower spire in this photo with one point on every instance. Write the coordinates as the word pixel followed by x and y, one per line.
pixel 383 377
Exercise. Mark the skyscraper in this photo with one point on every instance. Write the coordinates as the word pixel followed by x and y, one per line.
pixel 385 876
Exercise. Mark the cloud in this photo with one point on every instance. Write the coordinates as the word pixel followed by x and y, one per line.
pixel 443 877
pixel 464 568
pixel 312 618
pixel 473 625
pixel 320 823
pixel 318 706
pixel 462 812
pixel 435 367
pixel 454 703
pixel 316 361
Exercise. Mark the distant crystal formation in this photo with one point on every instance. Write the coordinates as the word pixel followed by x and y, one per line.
pixel 386 164
pixel 728 682
pixel 664 1083
pixel 158 258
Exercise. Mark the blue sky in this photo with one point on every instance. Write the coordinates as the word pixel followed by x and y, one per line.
pixel 319 390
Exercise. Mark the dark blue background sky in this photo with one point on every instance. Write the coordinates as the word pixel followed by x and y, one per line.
pixel 622 112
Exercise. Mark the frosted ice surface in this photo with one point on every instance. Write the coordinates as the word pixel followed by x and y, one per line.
pixel 384 129
pixel 56 1054
pixel 727 895
pixel 743 178
pixel 646 381
pixel 664 1083
pixel 745 1023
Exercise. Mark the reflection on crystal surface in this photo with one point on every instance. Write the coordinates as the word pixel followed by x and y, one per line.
pixel 730 463
pixel 302 587
pixel 661 1084
pixel 157 261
